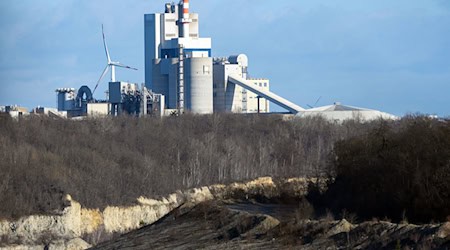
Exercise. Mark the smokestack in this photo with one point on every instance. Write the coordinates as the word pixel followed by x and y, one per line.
pixel 185 20
pixel 186 7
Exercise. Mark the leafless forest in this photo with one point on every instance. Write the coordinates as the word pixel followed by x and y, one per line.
pixel 112 161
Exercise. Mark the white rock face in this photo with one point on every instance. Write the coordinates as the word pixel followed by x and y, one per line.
pixel 64 231
pixel 74 244
pixel 91 220
pixel 444 231
pixel 198 195
pixel 118 219
pixel 342 226
pixel 38 228
pixel 171 199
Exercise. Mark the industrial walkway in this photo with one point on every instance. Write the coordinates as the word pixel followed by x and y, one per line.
pixel 278 100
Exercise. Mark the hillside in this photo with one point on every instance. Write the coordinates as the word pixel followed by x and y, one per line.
pixel 112 161
pixel 259 214
pixel 384 170
pixel 215 226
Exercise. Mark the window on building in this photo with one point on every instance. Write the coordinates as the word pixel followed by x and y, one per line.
pixel 265 84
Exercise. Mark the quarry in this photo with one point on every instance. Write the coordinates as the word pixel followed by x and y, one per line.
pixel 194 157
pixel 259 214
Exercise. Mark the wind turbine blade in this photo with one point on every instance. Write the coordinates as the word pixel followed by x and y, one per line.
pixel 315 104
pixel 101 77
pixel 106 46
pixel 123 66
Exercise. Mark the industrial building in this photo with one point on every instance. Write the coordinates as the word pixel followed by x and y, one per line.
pixel 51 112
pixel 131 99
pixel 229 97
pixel 182 76
pixel 178 62
pixel 123 98
pixel 80 103
pixel 339 113
pixel 179 65
pixel 15 111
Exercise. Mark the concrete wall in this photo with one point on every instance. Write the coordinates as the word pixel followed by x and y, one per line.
pixel 152 42
pixel 198 85
pixel 229 97
pixel 252 100
pixel 98 109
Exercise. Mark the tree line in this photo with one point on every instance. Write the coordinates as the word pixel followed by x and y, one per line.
pixel 112 161
pixel 398 170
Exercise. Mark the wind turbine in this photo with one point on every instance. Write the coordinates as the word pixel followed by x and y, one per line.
pixel 315 104
pixel 110 64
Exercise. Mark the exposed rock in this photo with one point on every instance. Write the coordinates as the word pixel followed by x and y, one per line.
pixel 76 244
pixel 75 221
pixel 264 226
pixel 124 219
pixel 260 187
pixel 198 195
pixel 342 226
pixel 73 244
pixel 203 225
pixel 39 228
pixel 195 225
pixel 444 231
pixel 265 188
pixel 23 247
pixel 211 225
pixel 91 220
pixel 171 199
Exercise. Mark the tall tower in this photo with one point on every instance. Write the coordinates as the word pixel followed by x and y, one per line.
pixel 178 62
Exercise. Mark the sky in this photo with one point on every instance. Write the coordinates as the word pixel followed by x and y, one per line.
pixel 388 55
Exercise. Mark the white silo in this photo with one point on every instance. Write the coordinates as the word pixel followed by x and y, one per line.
pixel 241 60
pixel 178 62
pixel 199 88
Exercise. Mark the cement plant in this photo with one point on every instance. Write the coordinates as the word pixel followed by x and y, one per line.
pixel 198 155
pixel 181 76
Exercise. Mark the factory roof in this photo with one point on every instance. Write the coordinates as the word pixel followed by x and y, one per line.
pixel 339 113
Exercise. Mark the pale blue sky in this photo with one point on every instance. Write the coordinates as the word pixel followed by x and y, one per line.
pixel 391 55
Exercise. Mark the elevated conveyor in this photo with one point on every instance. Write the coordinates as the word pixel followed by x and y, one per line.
pixel 278 100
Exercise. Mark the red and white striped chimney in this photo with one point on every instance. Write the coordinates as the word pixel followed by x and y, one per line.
pixel 186 8
pixel 185 20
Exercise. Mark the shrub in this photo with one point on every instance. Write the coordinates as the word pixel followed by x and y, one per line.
pixel 111 161
pixel 399 170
